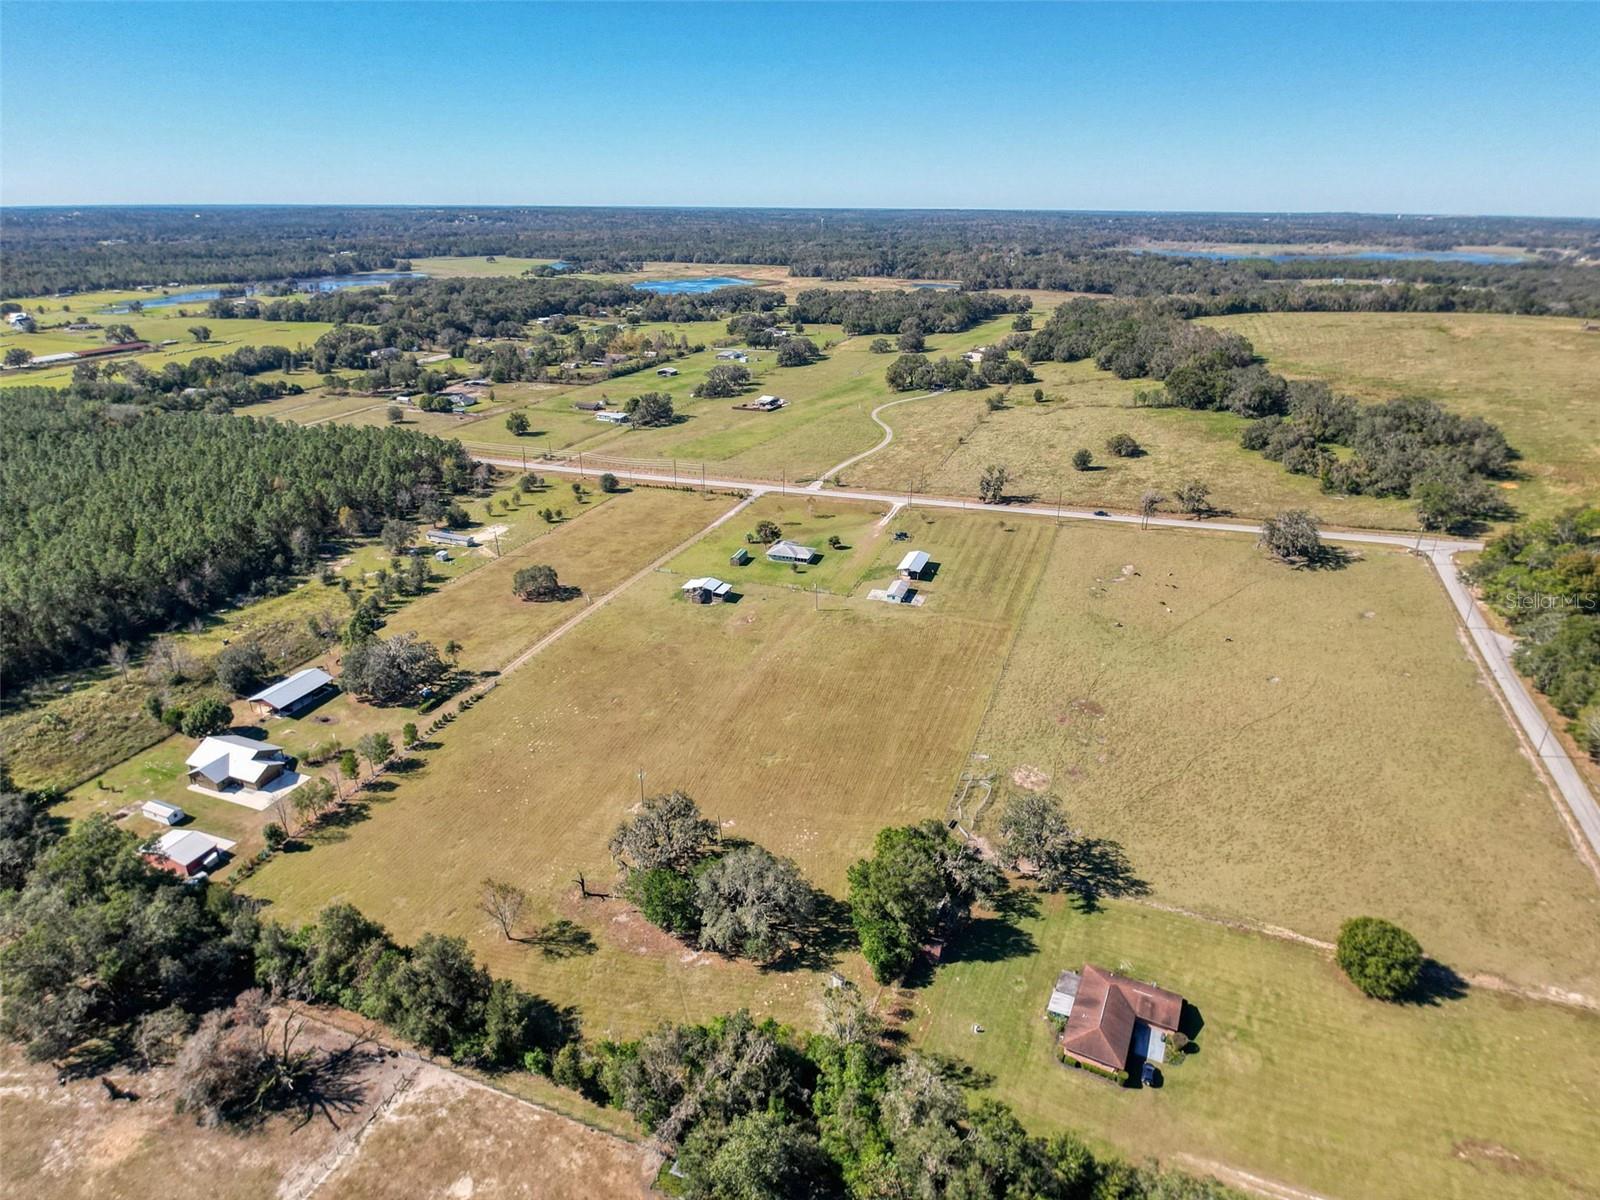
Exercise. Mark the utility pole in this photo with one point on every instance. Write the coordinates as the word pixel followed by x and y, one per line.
pixel 640 773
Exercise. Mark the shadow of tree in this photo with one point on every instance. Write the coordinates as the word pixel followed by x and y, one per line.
pixel 560 938
pixel 821 940
pixel 1103 870
pixel 989 939
pixel 1436 984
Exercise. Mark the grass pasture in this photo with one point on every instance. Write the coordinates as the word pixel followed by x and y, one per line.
pixel 1296 1078
pixel 1532 376
pixel 803 729
pixel 1291 748
pixel 942 445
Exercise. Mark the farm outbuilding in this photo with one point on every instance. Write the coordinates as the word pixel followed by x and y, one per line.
pixel 914 564
pixel 158 810
pixel 290 695
pixel 449 537
pixel 706 590
pixel 739 558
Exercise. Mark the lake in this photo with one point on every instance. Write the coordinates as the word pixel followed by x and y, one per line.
pixel 680 287
pixel 1460 256
pixel 328 283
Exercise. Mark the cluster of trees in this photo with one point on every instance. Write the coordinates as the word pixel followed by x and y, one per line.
pixel 722 381
pixel 918 886
pixel 390 670
pixel 434 993
pixel 916 372
pixel 123 521
pixel 1544 578
pixel 213 384
pixel 651 409
pixel 1408 447
pixel 922 311
pixel 740 901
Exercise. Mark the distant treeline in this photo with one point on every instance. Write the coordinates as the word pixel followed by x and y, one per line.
pixel 215 384
pixel 1408 447
pixel 120 521
pixel 449 312
pixel 52 249
pixel 889 311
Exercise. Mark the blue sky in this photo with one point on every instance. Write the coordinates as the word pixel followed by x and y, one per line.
pixel 1414 108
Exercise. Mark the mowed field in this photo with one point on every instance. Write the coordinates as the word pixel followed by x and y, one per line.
pixel 616 536
pixel 805 727
pixel 942 444
pixel 1296 1078
pixel 1538 378
pixel 1291 748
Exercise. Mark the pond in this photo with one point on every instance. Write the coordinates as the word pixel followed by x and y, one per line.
pixel 328 283
pixel 680 287
pixel 1460 256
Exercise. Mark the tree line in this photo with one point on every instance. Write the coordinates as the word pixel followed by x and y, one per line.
pixel 121 522
pixel 105 961
pixel 887 310
pixel 1544 578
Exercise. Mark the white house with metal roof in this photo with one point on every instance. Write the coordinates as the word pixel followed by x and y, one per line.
pixel 292 694
pixel 227 761
pixel 790 552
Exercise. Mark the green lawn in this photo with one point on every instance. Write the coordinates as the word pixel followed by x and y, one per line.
pixel 1296 1078
pixel 809 520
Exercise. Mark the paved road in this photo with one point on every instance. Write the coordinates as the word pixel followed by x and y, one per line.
pixel 1440 551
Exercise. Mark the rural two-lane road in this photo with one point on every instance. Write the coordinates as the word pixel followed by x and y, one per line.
pixel 1540 738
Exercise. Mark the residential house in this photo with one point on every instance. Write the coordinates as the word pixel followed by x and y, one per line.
pixel 790 552
pixel 1112 1019
pixel 666 372
pixel 227 761
pixel 612 418
pixel 289 696
pixel 449 537
pixel 187 852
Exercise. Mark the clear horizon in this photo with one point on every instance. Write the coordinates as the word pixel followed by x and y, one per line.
pixel 1422 110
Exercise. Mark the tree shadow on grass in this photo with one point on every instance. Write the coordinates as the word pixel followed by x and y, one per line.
pixel 560 938
pixel 1103 870
pixel 820 940
pixel 989 939
pixel 1436 984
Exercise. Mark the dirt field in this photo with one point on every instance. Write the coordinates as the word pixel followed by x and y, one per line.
pixel 395 1127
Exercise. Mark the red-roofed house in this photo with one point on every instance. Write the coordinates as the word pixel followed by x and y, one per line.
pixel 1111 1018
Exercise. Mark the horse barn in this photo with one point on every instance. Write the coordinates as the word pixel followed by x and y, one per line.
pixel 291 695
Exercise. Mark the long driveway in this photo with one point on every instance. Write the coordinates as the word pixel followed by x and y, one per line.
pixel 1440 551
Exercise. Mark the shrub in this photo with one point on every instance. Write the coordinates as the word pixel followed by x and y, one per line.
pixel 276 835
pixel 242 667
pixel 1380 958
pixel 608 483
pixel 1123 445
pixel 666 898
pixel 1081 460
